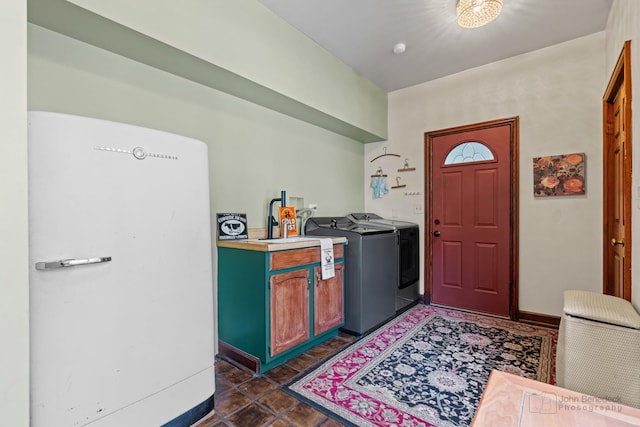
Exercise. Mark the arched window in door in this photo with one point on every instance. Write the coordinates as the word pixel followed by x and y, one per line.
pixel 467 152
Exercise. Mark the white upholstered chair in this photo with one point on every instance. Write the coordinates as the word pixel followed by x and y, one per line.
pixel 598 349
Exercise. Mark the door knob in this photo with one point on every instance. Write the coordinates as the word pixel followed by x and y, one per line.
pixel 615 242
pixel 436 233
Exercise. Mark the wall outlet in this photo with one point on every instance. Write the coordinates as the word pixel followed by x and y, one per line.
pixel 417 209
pixel 313 206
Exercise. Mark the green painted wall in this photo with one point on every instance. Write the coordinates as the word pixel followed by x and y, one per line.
pixel 238 47
pixel 14 250
pixel 254 152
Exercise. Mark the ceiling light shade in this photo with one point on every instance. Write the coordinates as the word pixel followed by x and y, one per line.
pixel 476 13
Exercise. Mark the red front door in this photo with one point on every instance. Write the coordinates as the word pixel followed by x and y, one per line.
pixel 471 215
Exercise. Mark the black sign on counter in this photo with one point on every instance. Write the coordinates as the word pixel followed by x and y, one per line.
pixel 232 226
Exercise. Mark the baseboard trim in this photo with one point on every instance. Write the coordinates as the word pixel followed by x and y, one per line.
pixel 425 299
pixel 239 356
pixel 539 319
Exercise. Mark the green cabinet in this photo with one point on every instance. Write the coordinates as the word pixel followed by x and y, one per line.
pixel 274 305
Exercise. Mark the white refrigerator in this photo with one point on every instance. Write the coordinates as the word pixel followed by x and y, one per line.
pixel 122 311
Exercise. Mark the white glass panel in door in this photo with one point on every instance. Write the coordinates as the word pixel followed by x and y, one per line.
pixel 469 152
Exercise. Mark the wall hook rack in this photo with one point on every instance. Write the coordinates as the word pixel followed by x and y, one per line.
pixel 398 185
pixel 379 173
pixel 406 167
pixel 384 149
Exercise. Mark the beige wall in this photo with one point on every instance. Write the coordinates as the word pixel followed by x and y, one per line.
pixel 623 25
pixel 557 94
pixel 14 279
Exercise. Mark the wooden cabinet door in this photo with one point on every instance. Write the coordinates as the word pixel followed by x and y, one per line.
pixel 328 304
pixel 289 303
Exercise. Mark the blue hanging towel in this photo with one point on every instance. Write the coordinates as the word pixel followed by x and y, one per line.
pixel 379 185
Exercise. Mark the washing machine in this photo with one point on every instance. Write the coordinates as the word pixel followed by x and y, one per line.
pixel 370 270
pixel 407 280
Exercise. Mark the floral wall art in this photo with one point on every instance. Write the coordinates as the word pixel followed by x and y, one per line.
pixel 560 175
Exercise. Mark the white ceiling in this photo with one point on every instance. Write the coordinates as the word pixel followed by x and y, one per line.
pixel 362 33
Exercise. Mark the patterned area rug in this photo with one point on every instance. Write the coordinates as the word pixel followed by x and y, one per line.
pixel 427 367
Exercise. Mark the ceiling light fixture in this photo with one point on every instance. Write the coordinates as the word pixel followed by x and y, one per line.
pixel 399 48
pixel 476 13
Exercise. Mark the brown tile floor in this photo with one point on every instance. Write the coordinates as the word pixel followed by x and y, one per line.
pixel 245 399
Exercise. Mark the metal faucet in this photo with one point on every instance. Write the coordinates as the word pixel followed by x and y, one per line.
pixel 302 215
pixel 271 221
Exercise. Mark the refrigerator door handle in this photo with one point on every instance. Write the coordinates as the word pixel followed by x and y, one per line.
pixel 62 263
